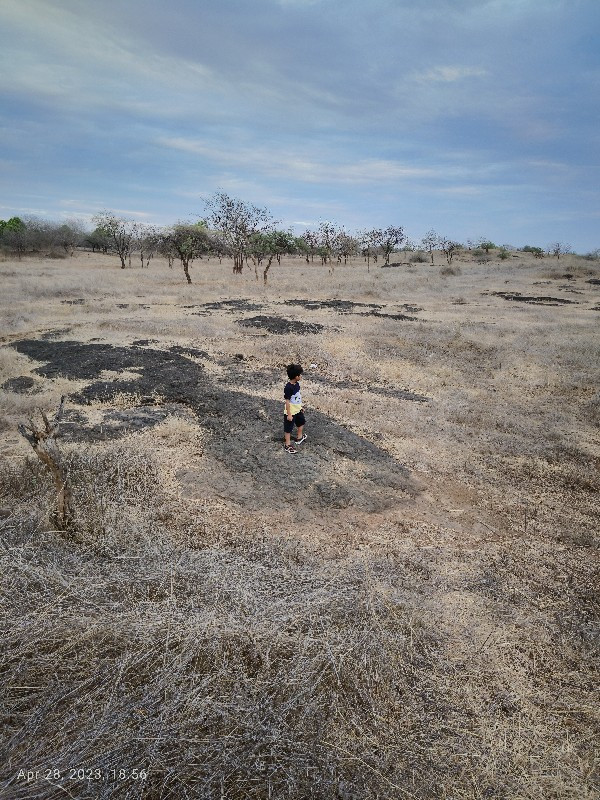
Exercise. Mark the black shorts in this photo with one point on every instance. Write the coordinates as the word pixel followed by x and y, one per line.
pixel 298 420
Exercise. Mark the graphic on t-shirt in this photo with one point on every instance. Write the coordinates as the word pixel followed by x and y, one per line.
pixel 292 393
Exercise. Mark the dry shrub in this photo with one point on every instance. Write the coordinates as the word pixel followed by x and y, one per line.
pixel 226 672
pixel 449 270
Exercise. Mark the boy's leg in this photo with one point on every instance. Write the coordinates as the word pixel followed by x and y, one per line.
pixel 300 421
pixel 288 427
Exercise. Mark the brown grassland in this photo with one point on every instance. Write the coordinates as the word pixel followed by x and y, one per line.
pixel 407 608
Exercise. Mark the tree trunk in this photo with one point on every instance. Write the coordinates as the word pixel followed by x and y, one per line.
pixel 185 263
pixel 266 270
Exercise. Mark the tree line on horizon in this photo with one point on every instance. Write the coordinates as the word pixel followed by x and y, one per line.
pixel 233 228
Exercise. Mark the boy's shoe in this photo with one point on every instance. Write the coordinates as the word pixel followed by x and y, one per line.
pixel 289 449
pixel 299 441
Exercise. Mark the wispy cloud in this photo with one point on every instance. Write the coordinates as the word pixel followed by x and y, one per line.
pixel 297 166
pixel 449 74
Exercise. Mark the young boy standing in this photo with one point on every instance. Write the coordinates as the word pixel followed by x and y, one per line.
pixel 293 414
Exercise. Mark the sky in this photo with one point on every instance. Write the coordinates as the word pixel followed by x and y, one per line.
pixel 471 117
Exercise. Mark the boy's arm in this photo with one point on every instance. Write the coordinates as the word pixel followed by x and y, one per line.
pixel 287 408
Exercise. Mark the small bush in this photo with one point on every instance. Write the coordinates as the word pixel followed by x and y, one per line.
pixel 503 255
pixel 418 258
pixel 535 251
pixel 448 270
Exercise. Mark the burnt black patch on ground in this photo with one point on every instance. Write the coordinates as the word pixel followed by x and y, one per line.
pixel 239 428
pixel 540 301
pixel 74 417
pixel 115 423
pixel 342 306
pixel 280 325
pixel 144 342
pixel 594 281
pixel 194 352
pixel 236 305
pixel 382 315
pixel 79 301
pixel 21 385
pixel 75 360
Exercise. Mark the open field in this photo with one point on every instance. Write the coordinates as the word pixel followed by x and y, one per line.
pixel 408 608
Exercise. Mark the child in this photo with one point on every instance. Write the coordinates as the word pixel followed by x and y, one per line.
pixel 293 414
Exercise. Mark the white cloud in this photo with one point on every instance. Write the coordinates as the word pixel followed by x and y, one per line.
pixel 449 74
pixel 297 166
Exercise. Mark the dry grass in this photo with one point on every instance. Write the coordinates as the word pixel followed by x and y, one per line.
pixel 444 647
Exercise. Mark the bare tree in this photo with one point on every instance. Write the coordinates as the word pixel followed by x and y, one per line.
pixel 368 240
pixel 328 237
pixel 146 243
pixel 120 232
pixel 559 249
pixel 449 248
pixel 43 441
pixel 311 240
pixel 347 246
pixel 430 242
pixel 237 222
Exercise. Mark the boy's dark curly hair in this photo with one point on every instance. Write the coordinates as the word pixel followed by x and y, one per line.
pixel 294 371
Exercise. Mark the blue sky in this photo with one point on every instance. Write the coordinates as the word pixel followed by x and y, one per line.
pixel 472 117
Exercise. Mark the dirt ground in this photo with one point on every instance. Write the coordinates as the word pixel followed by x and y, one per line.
pixel 433 546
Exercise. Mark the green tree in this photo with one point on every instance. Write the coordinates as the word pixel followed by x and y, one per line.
pixel 187 243
pixel 327 238
pixel 269 246
pixel 11 225
pixel 98 240
pixel 388 239
pixel 485 244
pixel 14 235
pixel 535 251
pixel 311 244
